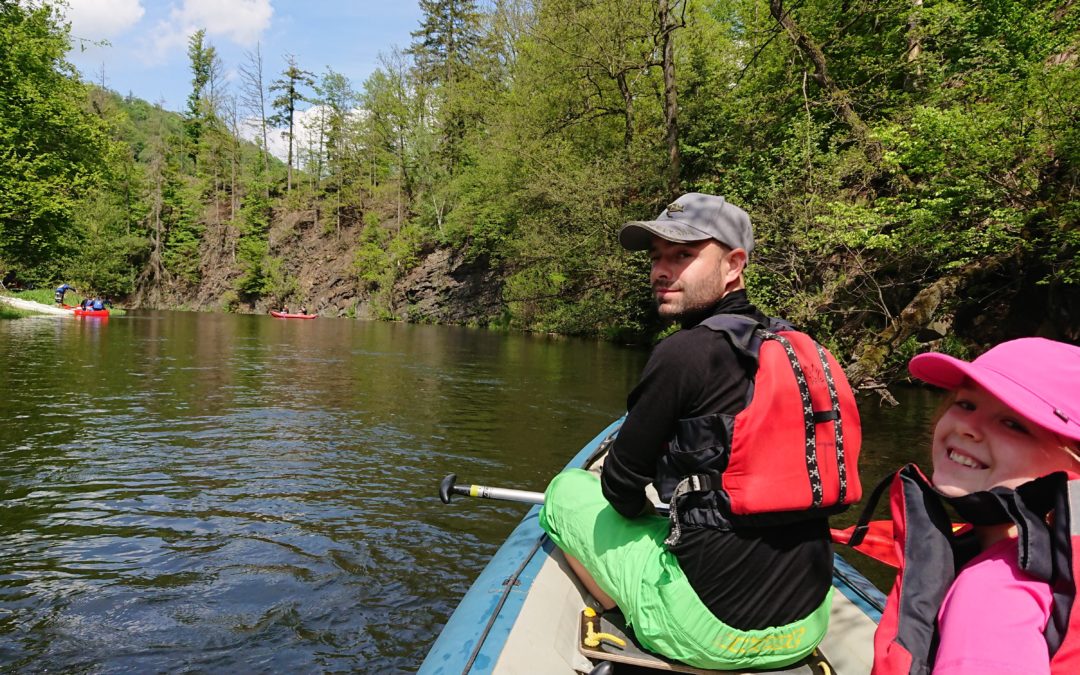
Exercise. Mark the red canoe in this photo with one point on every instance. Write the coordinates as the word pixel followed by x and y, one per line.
pixel 283 315
pixel 91 312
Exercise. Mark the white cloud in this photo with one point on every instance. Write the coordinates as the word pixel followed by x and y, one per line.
pixel 305 130
pixel 103 19
pixel 239 21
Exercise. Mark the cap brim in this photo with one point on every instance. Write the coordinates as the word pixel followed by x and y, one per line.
pixel 637 235
pixel 947 372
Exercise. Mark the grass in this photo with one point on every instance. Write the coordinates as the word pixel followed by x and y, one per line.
pixel 42 295
pixel 9 312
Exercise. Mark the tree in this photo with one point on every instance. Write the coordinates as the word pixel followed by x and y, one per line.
pixel 53 149
pixel 448 34
pixel 289 84
pixel 205 71
pixel 667 25
pixel 253 98
pixel 443 51
pixel 395 108
pixel 338 99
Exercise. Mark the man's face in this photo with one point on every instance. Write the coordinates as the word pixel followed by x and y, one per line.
pixel 688 278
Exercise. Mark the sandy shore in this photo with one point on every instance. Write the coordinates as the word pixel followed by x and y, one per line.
pixel 31 306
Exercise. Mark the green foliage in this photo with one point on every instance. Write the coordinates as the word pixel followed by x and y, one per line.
pixel 204 62
pixel 252 251
pixel 181 253
pixel 521 135
pixel 53 151
pixel 9 312
pixel 372 258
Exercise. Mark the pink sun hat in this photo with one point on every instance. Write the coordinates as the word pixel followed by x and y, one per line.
pixel 1036 377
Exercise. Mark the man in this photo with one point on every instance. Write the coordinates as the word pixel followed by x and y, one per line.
pixel 723 595
pixel 60 291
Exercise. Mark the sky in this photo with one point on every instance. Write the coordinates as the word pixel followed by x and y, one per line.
pixel 140 46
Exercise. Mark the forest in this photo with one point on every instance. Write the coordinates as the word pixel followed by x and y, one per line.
pixel 910 167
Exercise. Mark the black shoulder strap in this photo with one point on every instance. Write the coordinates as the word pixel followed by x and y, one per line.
pixel 743 331
pixel 862 525
pixel 1065 527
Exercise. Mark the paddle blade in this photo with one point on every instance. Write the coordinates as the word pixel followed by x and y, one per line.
pixel 877 544
pixel 446 488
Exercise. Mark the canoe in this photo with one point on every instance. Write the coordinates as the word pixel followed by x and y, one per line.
pixel 91 312
pixel 522 613
pixel 283 315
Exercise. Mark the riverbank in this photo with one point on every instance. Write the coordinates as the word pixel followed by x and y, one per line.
pixel 32 306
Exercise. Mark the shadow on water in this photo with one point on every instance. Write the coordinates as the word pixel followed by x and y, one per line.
pixel 238 493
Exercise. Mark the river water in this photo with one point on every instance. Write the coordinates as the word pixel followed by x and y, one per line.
pixel 222 493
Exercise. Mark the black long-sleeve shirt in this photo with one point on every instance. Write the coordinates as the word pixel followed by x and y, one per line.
pixel 750 578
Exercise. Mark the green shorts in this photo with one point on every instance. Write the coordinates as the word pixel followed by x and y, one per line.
pixel 629 561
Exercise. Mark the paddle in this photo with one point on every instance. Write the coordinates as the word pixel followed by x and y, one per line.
pixel 450 487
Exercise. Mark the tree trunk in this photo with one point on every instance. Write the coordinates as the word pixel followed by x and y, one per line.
pixel 671 104
pixel 914 50
pixel 918 313
pixel 839 98
pixel 628 111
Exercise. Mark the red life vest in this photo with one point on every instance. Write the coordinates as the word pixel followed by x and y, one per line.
pixel 789 455
pixel 906 638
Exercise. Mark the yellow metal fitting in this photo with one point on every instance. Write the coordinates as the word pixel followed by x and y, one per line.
pixel 592 638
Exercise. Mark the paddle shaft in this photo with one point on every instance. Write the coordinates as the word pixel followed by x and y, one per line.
pixel 505 494
pixel 449 487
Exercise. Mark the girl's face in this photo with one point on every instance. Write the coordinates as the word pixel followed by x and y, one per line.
pixel 980 443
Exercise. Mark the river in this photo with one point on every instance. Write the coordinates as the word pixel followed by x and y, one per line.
pixel 224 493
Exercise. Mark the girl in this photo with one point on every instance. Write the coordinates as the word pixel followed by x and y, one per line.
pixel 1012 417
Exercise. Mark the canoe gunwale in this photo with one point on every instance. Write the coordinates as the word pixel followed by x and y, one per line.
pixel 459 632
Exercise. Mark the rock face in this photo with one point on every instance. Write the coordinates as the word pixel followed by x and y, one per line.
pixel 318 262
pixel 447 288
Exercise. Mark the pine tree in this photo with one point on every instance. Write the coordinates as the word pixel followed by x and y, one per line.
pixel 443 50
pixel 292 78
pixel 205 65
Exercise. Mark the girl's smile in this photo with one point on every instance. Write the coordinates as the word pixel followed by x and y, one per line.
pixel 980 443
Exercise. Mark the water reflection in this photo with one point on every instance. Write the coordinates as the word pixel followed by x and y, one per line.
pixel 238 493
pixel 223 493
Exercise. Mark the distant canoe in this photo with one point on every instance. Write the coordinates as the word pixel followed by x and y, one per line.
pixel 283 315
pixel 91 312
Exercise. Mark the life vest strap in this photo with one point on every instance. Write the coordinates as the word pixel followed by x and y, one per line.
pixel 812 418
pixel 699 482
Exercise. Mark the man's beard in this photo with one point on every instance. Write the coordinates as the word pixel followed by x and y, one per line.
pixel 695 299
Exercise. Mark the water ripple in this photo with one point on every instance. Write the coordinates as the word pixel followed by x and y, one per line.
pixel 212 493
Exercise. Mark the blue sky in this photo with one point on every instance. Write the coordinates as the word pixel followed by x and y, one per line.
pixel 147 50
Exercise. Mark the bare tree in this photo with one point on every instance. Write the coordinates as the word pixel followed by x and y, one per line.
pixel 253 98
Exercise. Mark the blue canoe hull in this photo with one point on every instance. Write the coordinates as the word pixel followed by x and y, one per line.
pixel 478 632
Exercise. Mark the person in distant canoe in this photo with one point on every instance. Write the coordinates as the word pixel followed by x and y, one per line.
pixel 98 304
pixel 60 291
pixel 704 588
pixel 83 303
pixel 303 310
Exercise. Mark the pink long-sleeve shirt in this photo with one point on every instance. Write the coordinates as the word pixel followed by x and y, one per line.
pixel 992 619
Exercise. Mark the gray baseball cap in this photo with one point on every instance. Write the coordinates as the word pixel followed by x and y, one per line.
pixel 692 217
